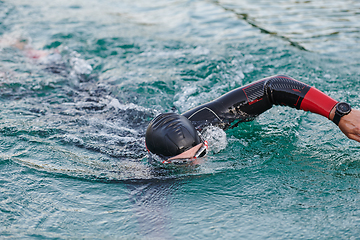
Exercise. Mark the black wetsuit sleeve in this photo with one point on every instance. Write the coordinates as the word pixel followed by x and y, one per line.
pixel 247 102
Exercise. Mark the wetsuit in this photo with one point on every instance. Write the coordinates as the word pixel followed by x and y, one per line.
pixel 247 102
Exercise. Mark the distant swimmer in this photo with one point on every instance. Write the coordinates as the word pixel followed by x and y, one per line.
pixel 176 138
pixel 72 66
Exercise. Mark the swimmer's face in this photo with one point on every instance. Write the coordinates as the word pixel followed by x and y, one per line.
pixel 189 155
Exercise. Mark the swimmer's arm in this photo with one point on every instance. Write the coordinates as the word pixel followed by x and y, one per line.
pixel 277 90
pixel 247 102
pixel 349 124
pixel 318 102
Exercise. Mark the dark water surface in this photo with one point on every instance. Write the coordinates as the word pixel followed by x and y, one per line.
pixel 72 159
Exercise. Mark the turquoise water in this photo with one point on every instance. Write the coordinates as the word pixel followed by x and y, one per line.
pixel 72 159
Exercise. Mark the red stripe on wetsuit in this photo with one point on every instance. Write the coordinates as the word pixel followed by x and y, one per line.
pixel 318 102
pixel 285 90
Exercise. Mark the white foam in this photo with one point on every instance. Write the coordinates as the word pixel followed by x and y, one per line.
pixel 216 138
pixel 80 66
pixel 130 106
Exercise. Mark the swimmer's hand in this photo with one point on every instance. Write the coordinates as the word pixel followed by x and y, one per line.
pixel 349 124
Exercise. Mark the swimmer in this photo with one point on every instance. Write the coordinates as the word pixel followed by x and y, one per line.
pixel 74 68
pixel 177 138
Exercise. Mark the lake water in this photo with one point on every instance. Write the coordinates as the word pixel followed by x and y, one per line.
pixel 73 164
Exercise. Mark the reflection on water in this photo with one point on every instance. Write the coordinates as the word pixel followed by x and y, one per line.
pixel 151 203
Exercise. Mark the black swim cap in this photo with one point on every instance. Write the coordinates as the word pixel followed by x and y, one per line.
pixel 170 134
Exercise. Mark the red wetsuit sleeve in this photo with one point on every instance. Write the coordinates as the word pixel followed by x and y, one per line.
pixel 318 102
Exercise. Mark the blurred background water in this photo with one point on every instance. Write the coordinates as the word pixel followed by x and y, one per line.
pixel 80 80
